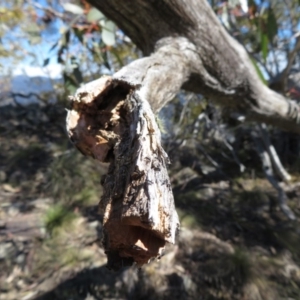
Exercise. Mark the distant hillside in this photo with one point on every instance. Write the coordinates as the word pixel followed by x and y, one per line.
pixel 31 87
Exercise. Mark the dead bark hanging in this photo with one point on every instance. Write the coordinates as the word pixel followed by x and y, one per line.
pixel 111 121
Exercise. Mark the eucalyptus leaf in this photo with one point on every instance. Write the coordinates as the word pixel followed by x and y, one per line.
pixel 94 15
pixel 258 71
pixel 33 29
pixel 264 45
pixel 108 33
pixel 34 39
pixel 116 54
pixel 272 27
pixel 65 38
pixel 79 34
pixel 76 72
pixel 70 83
pixel 4 52
pixel 73 8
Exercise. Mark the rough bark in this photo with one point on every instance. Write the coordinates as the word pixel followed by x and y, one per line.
pixel 111 121
pixel 218 66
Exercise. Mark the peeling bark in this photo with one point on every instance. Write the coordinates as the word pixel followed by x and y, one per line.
pixel 111 121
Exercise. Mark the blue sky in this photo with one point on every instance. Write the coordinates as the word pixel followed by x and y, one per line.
pixel 33 54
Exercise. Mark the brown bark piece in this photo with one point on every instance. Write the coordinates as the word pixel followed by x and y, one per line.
pixel 111 122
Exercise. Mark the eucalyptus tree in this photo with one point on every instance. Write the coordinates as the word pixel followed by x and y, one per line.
pixel 185 47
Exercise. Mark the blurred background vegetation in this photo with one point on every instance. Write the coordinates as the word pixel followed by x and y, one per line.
pixel 235 242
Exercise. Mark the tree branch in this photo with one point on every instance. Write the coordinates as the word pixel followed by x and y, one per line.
pixel 219 68
pixel 268 170
pixel 276 163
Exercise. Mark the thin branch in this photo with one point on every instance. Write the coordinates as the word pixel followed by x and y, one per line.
pixel 282 173
pixel 218 66
pixel 268 170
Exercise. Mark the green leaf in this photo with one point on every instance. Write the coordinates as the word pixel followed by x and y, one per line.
pixel 65 38
pixel 117 56
pixel 4 52
pixel 94 15
pixel 272 27
pixel 60 52
pixel 79 34
pixel 108 33
pixel 73 8
pixel 264 45
pixel 258 71
pixel 33 30
pixel 34 40
pixel 76 74
pixel 70 83
pixel 105 59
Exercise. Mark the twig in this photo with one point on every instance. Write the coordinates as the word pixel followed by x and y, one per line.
pixel 282 173
pixel 197 124
pixel 268 170
pixel 208 157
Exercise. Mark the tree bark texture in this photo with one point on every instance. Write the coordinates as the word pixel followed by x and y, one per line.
pixel 215 64
pixel 111 121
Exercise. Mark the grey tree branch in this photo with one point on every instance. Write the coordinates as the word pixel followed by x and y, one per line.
pixel 268 170
pixel 280 170
pixel 219 67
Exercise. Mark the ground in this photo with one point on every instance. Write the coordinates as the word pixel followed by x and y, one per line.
pixel 234 242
